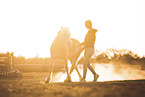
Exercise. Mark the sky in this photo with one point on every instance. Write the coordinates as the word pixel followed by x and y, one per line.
pixel 28 27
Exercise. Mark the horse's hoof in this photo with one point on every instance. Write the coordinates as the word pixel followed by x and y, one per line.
pixel 47 81
pixel 67 80
pixel 81 78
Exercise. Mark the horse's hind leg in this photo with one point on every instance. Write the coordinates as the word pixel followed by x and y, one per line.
pixel 50 72
pixel 73 62
pixel 68 74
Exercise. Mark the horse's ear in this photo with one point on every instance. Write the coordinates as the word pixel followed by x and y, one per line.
pixel 61 27
pixel 59 32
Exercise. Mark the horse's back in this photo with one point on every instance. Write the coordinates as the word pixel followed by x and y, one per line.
pixel 59 49
pixel 75 49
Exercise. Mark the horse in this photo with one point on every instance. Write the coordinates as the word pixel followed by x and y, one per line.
pixel 65 48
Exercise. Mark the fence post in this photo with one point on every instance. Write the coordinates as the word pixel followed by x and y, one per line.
pixel 12 60
pixel 7 63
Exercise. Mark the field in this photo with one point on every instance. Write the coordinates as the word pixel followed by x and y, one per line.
pixel 32 85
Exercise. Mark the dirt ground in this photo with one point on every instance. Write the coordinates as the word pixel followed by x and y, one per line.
pixel 31 85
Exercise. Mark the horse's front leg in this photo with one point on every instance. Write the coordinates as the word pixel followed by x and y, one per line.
pixel 50 72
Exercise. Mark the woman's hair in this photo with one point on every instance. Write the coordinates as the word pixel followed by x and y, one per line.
pixel 88 24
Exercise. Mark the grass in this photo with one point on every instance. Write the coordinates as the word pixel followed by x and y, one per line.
pixel 31 85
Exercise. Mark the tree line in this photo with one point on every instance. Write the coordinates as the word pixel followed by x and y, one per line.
pixel 122 56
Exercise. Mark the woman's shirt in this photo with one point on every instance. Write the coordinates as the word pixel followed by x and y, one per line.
pixel 90 38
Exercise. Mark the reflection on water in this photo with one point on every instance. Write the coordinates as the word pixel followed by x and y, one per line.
pixel 107 72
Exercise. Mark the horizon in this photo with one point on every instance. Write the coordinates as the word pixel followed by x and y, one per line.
pixel 108 52
pixel 29 27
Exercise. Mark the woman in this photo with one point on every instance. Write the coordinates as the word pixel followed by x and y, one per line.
pixel 88 43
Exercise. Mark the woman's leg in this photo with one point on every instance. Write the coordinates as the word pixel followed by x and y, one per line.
pixel 87 56
pixel 91 69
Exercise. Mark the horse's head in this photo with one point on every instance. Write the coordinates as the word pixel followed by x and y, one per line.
pixel 64 35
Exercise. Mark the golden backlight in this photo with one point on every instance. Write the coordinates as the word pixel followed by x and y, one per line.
pixel 107 72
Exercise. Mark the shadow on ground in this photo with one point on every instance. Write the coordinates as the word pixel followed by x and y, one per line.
pixel 32 85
